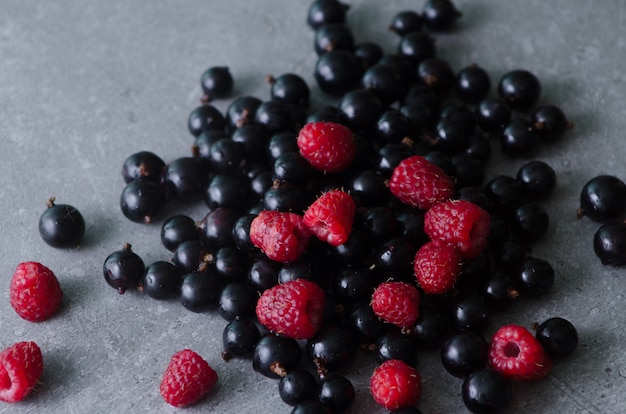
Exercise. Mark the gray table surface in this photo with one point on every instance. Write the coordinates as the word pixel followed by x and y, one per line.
pixel 85 84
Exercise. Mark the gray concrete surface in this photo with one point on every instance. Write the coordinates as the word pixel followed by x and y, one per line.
pixel 85 84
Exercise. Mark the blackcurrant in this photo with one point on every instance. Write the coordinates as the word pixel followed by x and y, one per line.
pixel 216 82
pixel 161 280
pixel 520 88
pixel 123 269
pixel 144 165
pixel 61 225
pixel 603 198
pixel 557 336
pixel 486 391
pixel 609 243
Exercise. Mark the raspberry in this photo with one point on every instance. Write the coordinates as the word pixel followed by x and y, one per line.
pixel 420 183
pixel 396 303
pixel 21 365
pixel 395 384
pixel 293 309
pixel 461 223
pixel 35 292
pixel 330 217
pixel 516 353
pixel 282 236
pixel 437 265
pixel 327 146
pixel 187 379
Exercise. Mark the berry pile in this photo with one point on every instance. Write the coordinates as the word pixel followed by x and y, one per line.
pixel 365 224
pixel 362 226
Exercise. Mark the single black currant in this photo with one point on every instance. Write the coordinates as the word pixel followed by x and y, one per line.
pixel 368 53
pixel 437 74
pixel 557 336
pixel 239 339
pixel 192 256
pixel 530 222
pixel 185 178
pixel 123 269
pixel 142 200
pixel 534 277
pixel 336 392
pixel 177 229
pixel 472 84
pixel 200 291
pixel 609 243
pixel 337 71
pixel 61 225
pixel 242 111
pixel 216 82
pixel 274 355
pixel 289 88
pixel 405 22
pixel 520 88
pixel 492 114
pixel 216 227
pixel 417 46
pixel 237 301
pixel 396 345
pixel 332 350
pixel 519 137
pixel 297 386
pixel 440 15
pixel 538 179
pixel 486 391
pixel 603 198
pixel 326 11
pixel 204 118
pixel 551 122
pixel 333 36
pixel 463 353
pixel 143 165
pixel 161 280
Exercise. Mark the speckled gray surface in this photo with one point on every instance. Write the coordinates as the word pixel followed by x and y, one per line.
pixel 85 84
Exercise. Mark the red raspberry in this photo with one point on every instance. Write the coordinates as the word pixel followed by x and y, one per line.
pixel 282 236
pixel 21 365
pixel 437 265
pixel 35 292
pixel 396 303
pixel 330 217
pixel 187 379
pixel 395 384
pixel 516 353
pixel 461 223
pixel 327 146
pixel 293 309
pixel 420 183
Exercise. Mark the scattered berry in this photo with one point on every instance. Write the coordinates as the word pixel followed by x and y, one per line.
pixel 123 269
pixel 437 265
pixel 603 198
pixel 330 217
pixel 293 309
pixel 282 236
pixel 486 391
pixel 461 223
pixel 216 82
pixel 420 183
pixel 557 336
pixel 395 384
pixel 21 365
pixel 327 146
pixel 516 353
pixel 609 243
pixel 396 303
pixel 61 225
pixel 35 292
pixel 187 379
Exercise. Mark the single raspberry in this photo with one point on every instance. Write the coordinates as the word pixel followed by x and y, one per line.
pixel 437 265
pixel 282 236
pixel 461 223
pixel 330 217
pixel 396 303
pixel 327 146
pixel 395 384
pixel 21 365
pixel 516 353
pixel 293 309
pixel 187 379
pixel 35 293
pixel 420 183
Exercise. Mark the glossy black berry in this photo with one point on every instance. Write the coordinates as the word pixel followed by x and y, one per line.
pixel 463 353
pixel 417 46
pixel 284 196
pixel 275 355
pixel 144 165
pixel 452 137
pixel 368 53
pixel 505 193
pixel 530 222
pixel 297 386
pixel 394 256
pixel 480 147
pixel 161 280
pixel 519 137
pixel 405 22
pixel 192 256
pixel 363 321
pixel 61 225
pixel 440 15
pixel 603 198
pixel 237 301
pixel 609 243
pixel 241 232
pixel 538 179
pixel 396 345
pixel 289 88
pixel 333 36
pixel 263 273
pixel 369 189
pixel 336 392
pixel 486 391
pixel 337 71
pixel 389 156
pixel 520 89
pixel 239 339
pixel 472 84
pixel 242 111
pixel 534 277
pixel 177 229
pixel 557 336
pixel 492 114
pixel 332 350
pixel 326 11
pixel 393 126
pixel 185 178
pixel 385 82
pixel 200 292
pixel 470 312
pixel 360 109
pixel 294 168
pixel 431 328
pixel 231 264
pixel 204 118
pixel 499 291
pixel 142 200
pixel 216 82
pixel 275 116
pixel 227 190
pixel 551 122
pixel 123 269
pixel 437 74
pixel 379 222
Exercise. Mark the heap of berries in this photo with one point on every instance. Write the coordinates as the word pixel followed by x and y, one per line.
pixel 365 224
pixel 362 225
